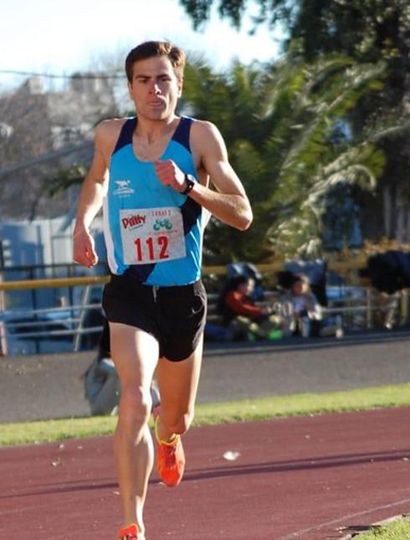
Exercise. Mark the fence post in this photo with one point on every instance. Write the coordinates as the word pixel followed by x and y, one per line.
pixel 404 306
pixel 368 308
pixel 3 340
pixel 3 336
pixel 83 312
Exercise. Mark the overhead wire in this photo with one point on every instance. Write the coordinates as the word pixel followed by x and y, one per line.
pixel 82 74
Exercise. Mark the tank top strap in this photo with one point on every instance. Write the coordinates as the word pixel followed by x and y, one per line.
pixel 182 132
pixel 125 136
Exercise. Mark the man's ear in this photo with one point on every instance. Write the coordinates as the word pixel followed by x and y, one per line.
pixel 129 85
pixel 180 86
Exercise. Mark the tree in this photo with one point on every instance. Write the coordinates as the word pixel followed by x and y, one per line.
pixel 47 131
pixel 22 112
pixel 363 29
pixel 277 121
pixel 308 162
pixel 236 102
pixel 270 12
pixel 368 32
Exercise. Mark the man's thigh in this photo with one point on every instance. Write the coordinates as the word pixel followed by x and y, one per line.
pixel 178 381
pixel 134 352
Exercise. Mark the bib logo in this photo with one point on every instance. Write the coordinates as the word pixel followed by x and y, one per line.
pixel 123 188
pixel 162 224
pixel 133 222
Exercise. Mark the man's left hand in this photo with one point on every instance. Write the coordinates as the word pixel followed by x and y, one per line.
pixel 170 174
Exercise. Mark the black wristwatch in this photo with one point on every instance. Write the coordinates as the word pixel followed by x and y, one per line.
pixel 189 183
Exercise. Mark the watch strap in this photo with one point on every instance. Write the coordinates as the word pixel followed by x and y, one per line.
pixel 189 184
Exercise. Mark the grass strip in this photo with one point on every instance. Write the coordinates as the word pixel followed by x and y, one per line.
pixel 217 413
pixel 399 529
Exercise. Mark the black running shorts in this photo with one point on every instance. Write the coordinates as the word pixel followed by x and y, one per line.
pixel 175 316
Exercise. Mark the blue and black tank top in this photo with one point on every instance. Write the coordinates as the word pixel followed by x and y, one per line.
pixel 152 232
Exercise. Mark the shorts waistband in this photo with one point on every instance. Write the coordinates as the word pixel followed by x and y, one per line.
pixel 147 287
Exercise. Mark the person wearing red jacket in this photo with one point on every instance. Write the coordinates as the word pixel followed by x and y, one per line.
pixel 242 315
pixel 238 300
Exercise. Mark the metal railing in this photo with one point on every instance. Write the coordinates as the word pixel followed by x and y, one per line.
pixel 46 323
pixel 49 323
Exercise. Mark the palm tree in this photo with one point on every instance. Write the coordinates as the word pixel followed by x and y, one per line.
pixel 312 163
pixel 277 121
pixel 236 102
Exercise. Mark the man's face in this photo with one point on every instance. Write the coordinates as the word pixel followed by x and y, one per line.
pixel 155 88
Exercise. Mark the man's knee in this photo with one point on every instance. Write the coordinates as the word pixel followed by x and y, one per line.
pixel 135 404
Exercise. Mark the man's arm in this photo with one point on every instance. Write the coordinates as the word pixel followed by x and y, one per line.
pixel 228 202
pixel 240 305
pixel 90 202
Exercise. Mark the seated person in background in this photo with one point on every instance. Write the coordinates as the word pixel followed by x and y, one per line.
pixel 101 383
pixel 243 317
pixel 302 308
pixel 247 269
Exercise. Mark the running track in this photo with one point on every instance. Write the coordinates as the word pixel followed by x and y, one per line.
pixel 297 478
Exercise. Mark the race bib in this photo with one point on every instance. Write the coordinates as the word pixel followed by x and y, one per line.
pixel 152 235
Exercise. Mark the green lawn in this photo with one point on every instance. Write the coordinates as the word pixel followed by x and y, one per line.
pixel 396 530
pixel 217 413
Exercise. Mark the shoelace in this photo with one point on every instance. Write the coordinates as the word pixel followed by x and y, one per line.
pixel 170 456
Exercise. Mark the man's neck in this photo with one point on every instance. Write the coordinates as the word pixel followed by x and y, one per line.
pixel 151 138
pixel 151 130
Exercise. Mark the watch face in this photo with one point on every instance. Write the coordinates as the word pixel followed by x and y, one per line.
pixel 190 182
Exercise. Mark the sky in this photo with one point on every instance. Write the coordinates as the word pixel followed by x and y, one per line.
pixel 64 36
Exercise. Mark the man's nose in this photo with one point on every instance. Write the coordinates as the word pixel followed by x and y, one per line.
pixel 155 89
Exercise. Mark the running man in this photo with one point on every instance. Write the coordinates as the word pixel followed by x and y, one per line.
pixel 151 175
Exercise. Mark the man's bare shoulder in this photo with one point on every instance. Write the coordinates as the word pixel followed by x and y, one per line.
pixel 205 134
pixel 108 129
pixel 203 128
pixel 206 139
pixel 106 136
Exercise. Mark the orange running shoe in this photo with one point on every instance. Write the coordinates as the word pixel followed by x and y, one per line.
pixel 170 459
pixel 128 533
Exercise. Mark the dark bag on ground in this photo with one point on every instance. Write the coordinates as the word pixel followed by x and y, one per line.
pixel 388 272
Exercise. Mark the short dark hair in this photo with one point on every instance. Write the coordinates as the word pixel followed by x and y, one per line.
pixel 301 278
pixel 149 49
